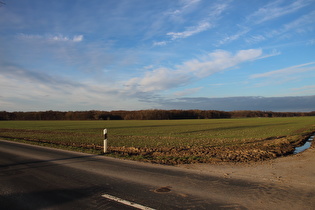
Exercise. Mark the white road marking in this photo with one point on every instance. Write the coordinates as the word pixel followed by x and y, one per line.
pixel 128 203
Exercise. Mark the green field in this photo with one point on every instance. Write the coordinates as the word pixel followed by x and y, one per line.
pixel 158 135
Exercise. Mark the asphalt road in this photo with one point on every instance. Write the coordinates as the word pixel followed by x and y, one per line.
pixel 34 177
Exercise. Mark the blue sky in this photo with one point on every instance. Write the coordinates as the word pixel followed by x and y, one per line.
pixel 140 54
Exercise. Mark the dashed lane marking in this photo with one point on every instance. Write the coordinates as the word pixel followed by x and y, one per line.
pixel 128 203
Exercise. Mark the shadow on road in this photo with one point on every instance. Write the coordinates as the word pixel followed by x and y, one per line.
pixel 50 162
pixel 78 198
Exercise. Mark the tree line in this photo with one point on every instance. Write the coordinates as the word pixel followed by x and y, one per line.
pixel 154 114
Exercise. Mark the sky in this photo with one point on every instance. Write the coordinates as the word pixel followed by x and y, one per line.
pixel 226 55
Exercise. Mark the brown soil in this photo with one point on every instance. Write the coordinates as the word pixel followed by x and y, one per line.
pixel 263 150
pixel 252 152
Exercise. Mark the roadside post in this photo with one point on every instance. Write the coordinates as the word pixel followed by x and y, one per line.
pixel 105 140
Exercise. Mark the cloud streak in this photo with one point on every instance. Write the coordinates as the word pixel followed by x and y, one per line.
pixel 50 37
pixel 286 71
pixel 201 26
pixel 275 10
pixel 234 37
pixel 305 90
pixel 186 6
pixel 267 13
pixel 167 78
pixel 219 60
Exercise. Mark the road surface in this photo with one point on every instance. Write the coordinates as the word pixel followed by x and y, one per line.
pixel 34 177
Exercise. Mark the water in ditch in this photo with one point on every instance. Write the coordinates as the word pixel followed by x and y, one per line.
pixel 304 146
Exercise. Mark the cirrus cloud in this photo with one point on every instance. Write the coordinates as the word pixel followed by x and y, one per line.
pixel 202 26
pixel 286 71
pixel 274 10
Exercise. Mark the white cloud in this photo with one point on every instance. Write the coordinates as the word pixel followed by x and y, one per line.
pixel 158 79
pixel 58 38
pixel 219 60
pixel 24 89
pixel 78 38
pixel 162 43
pixel 167 78
pixel 50 37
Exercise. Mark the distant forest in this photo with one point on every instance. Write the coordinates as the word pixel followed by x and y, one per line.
pixel 154 114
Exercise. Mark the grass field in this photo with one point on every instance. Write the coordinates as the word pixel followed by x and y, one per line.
pixel 166 139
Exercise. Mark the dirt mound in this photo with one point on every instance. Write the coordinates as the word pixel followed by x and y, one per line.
pixel 184 155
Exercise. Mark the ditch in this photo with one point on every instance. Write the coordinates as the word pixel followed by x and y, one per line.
pixel 305 146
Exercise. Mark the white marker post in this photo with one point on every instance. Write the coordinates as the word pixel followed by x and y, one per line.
pixel 105 140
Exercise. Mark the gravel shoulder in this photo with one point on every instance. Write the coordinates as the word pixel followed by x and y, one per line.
pixel 283 183
pixel 297 170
